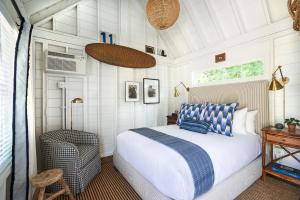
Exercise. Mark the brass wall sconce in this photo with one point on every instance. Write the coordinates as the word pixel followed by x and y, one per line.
pixel 176 91
pixel 278 84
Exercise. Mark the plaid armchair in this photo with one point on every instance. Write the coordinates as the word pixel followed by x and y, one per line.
pixel 76 152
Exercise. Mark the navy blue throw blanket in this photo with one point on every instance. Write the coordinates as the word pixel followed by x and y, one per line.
pixel 197 158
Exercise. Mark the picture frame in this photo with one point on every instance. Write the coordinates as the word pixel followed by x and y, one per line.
pixel 151 91
pixel 132 91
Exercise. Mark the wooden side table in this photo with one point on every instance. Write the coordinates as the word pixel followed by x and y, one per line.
pixel 282 138
pixel 46 178
pixel 171 119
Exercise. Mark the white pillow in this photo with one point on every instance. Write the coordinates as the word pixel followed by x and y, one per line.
pixel 239 121
pixel 250 121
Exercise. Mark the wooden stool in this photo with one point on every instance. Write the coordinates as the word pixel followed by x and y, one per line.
pixel 46 178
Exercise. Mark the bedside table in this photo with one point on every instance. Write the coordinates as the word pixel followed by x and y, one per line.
pixel 171 119
pixel 284 139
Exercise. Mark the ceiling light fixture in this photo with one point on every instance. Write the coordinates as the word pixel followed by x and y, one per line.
pixel 162 14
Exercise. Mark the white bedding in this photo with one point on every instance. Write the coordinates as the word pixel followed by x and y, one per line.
pixel 168 171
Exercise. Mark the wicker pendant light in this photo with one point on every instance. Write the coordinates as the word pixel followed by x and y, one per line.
pixel 162 14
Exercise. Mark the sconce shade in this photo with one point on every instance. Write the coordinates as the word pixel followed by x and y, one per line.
pixel 275 85
pixel 77 100
pixel 176 92
pixel 284 80
pixel 278 84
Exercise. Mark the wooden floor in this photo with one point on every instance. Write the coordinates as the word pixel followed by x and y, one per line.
pixel 110 185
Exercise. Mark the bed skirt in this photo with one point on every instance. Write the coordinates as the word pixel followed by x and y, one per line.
pixel 228 189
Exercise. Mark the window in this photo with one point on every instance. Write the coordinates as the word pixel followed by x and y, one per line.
pixel 248 70
pixel 8 36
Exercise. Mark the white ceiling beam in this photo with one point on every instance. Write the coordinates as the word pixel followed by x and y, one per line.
pixel 214 19
pixel 237 16
pixel 266 11
pixel 51 10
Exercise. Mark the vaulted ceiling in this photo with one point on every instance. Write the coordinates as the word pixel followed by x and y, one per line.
pixel 202 23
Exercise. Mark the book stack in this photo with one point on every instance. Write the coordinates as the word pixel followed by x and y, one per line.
pixel 289 171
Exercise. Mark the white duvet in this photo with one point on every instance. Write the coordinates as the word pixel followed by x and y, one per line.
pixel 168 171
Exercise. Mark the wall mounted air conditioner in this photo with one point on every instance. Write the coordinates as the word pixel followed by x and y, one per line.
pixel 64 63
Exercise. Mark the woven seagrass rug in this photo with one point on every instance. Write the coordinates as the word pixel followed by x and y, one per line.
pixel 110 185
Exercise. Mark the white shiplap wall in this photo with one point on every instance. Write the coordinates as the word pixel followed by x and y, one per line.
pixel 108 113
pixel 279 48
pixel 39 66
pixel 78 20
pixel 108 108
pixel 239 54
pixel 66 22
pixel 92 95
pixel 87 19
pixel 287 54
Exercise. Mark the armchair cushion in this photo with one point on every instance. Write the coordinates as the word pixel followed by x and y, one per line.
pixel 80 137
pixel 87 153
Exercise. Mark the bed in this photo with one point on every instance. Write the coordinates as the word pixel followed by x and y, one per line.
pixel 157 172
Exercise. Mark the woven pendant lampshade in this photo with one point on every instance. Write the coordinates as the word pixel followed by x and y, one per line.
pixel 162 14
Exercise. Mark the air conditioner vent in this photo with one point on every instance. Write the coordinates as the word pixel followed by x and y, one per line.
pixel 69 65
pixel 54 63
pixel 62 55
pixel 64 63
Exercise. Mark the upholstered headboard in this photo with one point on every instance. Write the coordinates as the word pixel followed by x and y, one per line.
pixel 253 95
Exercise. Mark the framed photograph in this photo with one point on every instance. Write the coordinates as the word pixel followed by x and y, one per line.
pixel 151 91
pixel 132 91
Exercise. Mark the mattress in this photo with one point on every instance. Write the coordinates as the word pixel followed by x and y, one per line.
pixel 168 171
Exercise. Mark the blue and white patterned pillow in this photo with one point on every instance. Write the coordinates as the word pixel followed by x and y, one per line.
pixel 195 126
pixel 193 111
pixel 220 117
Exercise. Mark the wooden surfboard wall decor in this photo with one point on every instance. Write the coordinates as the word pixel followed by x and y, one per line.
pixel 120 55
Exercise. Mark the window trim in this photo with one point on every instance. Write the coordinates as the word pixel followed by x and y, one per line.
pixel 195 82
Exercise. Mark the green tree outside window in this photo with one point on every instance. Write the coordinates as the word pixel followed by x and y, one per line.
pixel 247 70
